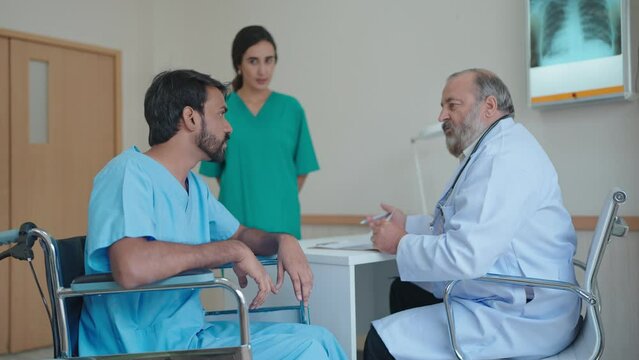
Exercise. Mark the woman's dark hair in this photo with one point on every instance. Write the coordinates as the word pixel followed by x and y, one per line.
pixel 244 39
pixel 169 93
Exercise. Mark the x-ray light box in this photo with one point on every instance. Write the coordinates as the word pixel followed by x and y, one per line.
pixel 579 50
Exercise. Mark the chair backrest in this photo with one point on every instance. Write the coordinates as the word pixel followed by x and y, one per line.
pixel 69 257
pixel 589 342
pixel 601 236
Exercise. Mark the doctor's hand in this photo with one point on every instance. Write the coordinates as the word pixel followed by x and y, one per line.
pixel 397 216
pixel 387 234
pixel 291 259
pixel 249 265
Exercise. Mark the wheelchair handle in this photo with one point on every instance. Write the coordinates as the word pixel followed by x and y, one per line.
pixel 9 236
pixel 23 239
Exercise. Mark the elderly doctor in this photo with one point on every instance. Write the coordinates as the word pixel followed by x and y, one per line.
pixel 501 212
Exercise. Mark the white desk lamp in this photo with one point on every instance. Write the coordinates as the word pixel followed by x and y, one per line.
pixel 429 132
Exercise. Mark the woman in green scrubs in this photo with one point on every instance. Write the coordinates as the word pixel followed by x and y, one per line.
pixel 270 152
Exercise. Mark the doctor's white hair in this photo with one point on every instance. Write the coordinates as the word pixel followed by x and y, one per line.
pixel 489 84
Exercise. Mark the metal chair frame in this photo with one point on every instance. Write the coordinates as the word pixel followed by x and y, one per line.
pixel 58 294
pixel 608 224
pixel 303 312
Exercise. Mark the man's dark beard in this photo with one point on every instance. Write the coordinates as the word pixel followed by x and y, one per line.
pixel 211 146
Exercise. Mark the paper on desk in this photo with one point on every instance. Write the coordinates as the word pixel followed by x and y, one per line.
pixel 348 244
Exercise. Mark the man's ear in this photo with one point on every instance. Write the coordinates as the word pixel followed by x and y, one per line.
pixel 189 118
pixel 490 107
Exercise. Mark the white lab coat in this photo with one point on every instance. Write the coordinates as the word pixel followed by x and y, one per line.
pixel 505 216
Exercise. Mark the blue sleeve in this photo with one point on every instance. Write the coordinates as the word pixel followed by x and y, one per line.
pixel 121 206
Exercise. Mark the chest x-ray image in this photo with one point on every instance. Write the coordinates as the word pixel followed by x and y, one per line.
pixel 563 31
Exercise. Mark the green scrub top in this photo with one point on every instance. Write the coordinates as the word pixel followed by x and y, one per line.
pixel 264 157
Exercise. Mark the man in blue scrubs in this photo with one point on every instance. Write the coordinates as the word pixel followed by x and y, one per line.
pixel 502 212
pixel 151 217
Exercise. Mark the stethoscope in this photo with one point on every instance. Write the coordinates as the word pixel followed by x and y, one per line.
pixel 438 220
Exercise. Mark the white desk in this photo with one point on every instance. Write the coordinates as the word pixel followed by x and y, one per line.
pixel 346 280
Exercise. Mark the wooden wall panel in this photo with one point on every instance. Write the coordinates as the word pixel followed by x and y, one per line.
pixel 4 190
pixel 581 223
pixel 51 182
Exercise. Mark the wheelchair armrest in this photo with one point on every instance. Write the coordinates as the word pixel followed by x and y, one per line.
pixel 267 260
pixel 263 259
pixel 302 311
pixel 104 281
pixel 103 284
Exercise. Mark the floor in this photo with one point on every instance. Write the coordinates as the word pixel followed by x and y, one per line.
pixel 45 353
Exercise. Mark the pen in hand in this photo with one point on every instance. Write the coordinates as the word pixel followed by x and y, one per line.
pixel 385 216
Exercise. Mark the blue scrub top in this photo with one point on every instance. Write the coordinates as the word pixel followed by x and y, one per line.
pixel 136 196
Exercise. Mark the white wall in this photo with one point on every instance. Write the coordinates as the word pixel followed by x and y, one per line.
pixel 370 73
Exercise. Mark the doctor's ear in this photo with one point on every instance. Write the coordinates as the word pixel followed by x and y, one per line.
pixel 188 118
pixel 490 106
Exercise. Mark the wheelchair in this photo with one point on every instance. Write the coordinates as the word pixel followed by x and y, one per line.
pixel 67 284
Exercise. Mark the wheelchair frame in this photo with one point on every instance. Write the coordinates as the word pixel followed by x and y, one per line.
pixel 58 294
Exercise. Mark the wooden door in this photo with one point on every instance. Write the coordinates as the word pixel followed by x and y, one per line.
pixel 52 174
pixel 4 190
